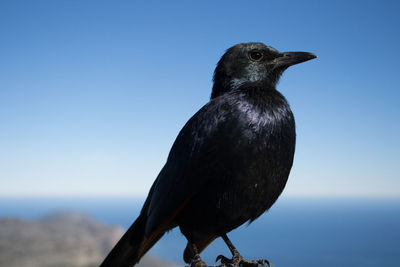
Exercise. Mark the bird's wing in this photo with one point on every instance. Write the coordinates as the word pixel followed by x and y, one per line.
pixel 196 150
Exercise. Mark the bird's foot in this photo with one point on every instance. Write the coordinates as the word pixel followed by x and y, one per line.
pixel 258 263
pixel 225 262
pixel 197 262
pixel 238 261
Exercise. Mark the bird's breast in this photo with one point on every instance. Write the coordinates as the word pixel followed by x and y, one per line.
pixel 248 166
pixel 263 159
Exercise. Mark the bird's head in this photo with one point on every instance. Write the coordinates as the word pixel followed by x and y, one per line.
pixel 253 63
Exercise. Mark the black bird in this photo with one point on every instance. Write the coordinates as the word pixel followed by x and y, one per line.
pixel 229 163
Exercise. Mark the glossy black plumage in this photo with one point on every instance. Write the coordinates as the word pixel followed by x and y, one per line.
pixel 229 163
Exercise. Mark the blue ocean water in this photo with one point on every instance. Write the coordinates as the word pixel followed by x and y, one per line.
pixel 295 232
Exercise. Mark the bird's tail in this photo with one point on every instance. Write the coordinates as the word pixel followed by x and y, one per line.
pixel 132 246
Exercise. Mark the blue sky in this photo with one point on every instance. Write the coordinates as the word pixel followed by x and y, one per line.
pixel 93 93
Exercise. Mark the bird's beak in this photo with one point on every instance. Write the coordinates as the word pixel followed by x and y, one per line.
pixel 288 59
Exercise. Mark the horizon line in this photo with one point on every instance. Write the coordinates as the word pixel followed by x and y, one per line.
pixel 143 196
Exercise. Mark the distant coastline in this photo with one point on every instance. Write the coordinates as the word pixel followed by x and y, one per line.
pixel 364 232
pixel 60 239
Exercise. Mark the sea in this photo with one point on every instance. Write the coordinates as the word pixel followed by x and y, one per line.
pixel 295 232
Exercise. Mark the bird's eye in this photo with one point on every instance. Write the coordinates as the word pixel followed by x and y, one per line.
pixel 255 55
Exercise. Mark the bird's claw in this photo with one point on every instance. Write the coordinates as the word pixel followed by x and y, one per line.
pixel 241 262
pixel 263 263
pixel 219 257
pixel 258 263
pixel 225 261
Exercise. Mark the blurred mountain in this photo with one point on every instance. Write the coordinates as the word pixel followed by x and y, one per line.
pixel 60 239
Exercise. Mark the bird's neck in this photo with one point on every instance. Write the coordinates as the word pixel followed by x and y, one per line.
pixel 221 87
pixel 265 99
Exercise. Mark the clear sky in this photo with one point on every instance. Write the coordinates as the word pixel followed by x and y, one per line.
pixel 93 93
